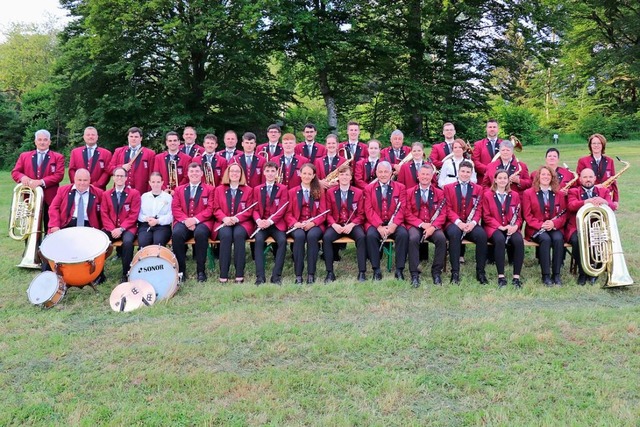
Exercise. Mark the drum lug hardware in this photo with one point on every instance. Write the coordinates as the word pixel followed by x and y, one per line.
pixel 92 269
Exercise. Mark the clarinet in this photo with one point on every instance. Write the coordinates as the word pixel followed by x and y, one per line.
pixel 472 213
pixel 435 215
pixel 390 221
pixel 542 230
pixel 513 221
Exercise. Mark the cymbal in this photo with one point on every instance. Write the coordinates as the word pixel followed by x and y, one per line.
pixel 129 296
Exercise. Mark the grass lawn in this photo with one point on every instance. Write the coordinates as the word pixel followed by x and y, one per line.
pixel 343 354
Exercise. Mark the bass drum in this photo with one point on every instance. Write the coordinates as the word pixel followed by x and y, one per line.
pixel 46 289
pixel 158 266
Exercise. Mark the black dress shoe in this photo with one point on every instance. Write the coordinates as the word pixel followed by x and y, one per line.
pixel 399 275
pixel 482 278
pixel 276 280
pixel 582 279
pixel 437 280
pixel 202 276
pixel 546 280
pixel 298 280
pixel 311 278
pixel 362 277
pixel 502 282
pixel 516 283
pixel 330 277
pixel 377 275
pixel 557 280
pixel 260 281
pixel 455 278
pixel 182 277
pixel 415 281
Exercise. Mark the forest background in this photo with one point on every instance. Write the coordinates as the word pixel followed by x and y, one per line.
pixel 541 67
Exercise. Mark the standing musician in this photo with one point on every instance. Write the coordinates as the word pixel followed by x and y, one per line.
pixel 137 160
pixel 213 165
pixel 425 223
pixel 91 157
pixel 353 147
pixel 587 192
pixel 272 147
pixel 518 171
pixel 330 162
pixel 165 163
pixel 233 220
pixel 542 206
pixel 552 159
pixel 306 201
pixel 408 175
pixel 155 217
pixel 251 163
pixel 442 149
pixel 449 168
pixel 230 143
pixel 41 168
pixel 190 148
pixel 502 220
pixel 119 214
pixel 309 148
pixel 289 163
pixel 601 165
pixel 365 169
pixel 192 209
pixel 346 216
pixel 269 215
pixel 396 152
pixel 464 210
pixel 485 149
pixel 384 205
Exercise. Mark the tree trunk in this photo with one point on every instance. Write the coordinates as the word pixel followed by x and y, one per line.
pixel 329 101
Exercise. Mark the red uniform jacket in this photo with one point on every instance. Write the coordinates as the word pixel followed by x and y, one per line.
pixel 138 175
pixel 408 175
pixel 127 216
pixel 161 165
pixel 254 171
pixel 438 152
pixel 323 168
pixel 459 207
pixel 418 212
pixel 200 207
pixel 483 154
pixel 495 215
pixel 575 200
pixel 278 150
pixel 193 151
pixel 604 171
pixel 525 179
pixel 298 210
pixel 535 212
pixel 224 205
pixel 379 210
pixel 564 176
pixel 269 204
pixel 291 174
pixel 342 211
pixel 98 165
pixel 51 171
pixel 218 166
pixel 223 154
pixel 362 151
pixel 63 205
pixel 364 173
pixel 317 151
pixel 389 154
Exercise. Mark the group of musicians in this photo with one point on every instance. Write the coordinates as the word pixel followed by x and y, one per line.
pixel 316 192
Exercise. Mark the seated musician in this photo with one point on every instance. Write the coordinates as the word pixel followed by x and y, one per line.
pixel 543 207
pixel 587 192
pixel 346 216
pixel 552 160
pixel 384 205
pixel 251 163
pixel 365 170
pixel 395 153
pixel 329 162
pixel 173 161
pixel 464 210
pixel 304 215
pixel 502 220
pixel 449 169
pixel 155 217
pixel 601 165
pixel 518 171
pixel 192 209
pixel 289 163
pixel 232 211
pixel 425 216
pixel 120 209
pixel 269 215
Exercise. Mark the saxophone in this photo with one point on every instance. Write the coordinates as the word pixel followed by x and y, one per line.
pixel 611 180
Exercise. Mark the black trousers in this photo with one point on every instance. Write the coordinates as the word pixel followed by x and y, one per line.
pixel 157 235
pixel 356 234
pixel 126 253
pixel 551 240
pixel 311 238
pixel 236 235
pixel 401 238
pixel 281 241
pixel 516 242
pixel 180 235
pixel 477 236
pixel 440 243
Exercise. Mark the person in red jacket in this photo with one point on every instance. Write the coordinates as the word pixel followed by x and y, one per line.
pixel 602 166
pixel 395 153
pixel 137 160
pixel 552 160
pixel 190 147
pixel 251 163
pixel 309 148
pixel 442 149
pixel 408 175
pixel 502 219
pixel 329 162
pixel 213 166
pixel 272 147
pixel 543 206
pixel 119 214
pixel 91 157
pixel 269 215
pixel 192 208
pixel 304 215
pixel 289 163
pixel 353 148
pixel 230 140
pixel 41 168
pixel 485 149
pixel 170 159
pixel 518 171
pixel 365 169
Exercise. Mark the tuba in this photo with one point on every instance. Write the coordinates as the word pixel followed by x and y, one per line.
pixel 600 247
pixel 25 221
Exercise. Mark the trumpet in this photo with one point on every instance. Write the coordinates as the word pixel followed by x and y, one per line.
pixel 173 176
pixel 209 177
pixel 280 174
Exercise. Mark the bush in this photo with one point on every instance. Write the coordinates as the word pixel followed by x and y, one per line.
pixel 518 121
pixel 612 127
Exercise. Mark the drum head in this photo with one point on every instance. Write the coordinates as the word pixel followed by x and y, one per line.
pixel 129 296
pixel 162 275
pixel 74 244
pixel 43 287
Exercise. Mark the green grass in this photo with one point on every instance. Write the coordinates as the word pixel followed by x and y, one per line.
pixel 345 354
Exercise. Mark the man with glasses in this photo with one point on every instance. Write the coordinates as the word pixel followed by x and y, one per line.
pixel 272 147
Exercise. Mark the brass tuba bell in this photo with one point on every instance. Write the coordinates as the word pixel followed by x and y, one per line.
pixel 25 222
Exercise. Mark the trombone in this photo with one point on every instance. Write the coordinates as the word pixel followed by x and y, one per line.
pixel 208 174
pixel 264 153
pixel 173 176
